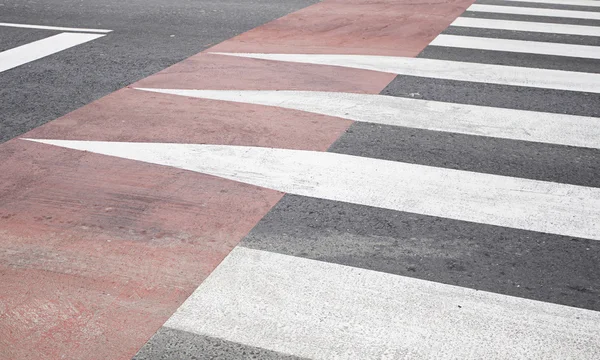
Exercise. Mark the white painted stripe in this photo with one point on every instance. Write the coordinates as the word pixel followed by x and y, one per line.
pixel 463 195
pixel 518 46
pixel 515 10
pixel 450 70
pixel 421 114
pixel 589 3
pixel 549 28
pixel 38 49
pixel 56 28
pixel 320 310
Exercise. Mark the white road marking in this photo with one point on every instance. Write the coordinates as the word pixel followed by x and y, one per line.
pixel 514 10
pixel 321 310
pixel 518 46
pixel 38 49
pixel 549 28
pixel 590 3
pixel 421 114
pixel 450 70
pixel 57 28
pixel 535 205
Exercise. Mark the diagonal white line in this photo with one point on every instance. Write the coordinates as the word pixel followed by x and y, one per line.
pixel 38 49
pixel 421 114
pixel 534 205
pixel 57 28
pixel 450 70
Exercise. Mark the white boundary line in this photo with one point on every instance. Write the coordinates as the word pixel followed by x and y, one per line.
pixel 57 28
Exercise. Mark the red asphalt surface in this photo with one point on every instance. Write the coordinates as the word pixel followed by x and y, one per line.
pixel 97 252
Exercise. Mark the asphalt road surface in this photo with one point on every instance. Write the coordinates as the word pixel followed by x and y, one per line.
pixel 355 180
pixel 147 36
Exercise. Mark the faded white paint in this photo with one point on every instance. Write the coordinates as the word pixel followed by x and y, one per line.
pixel 517 10
pixel 38 49
pixel 518 46
pixel 450 70
pixel 589 3
pixel 463 195
pixel 422 114
pixel 549 28
pixel 320 310
pixel 55 28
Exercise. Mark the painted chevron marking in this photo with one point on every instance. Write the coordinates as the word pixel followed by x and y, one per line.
pixel 542 206
pixel 449 70
pixel 320 310
pixel 588 3
pixel 515 10
pixel 518 46
pixel 548 28
pixel 38 49
pixel 422 114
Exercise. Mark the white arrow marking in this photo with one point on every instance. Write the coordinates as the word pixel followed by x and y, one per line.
pixel 421 114
pixel 463 195
pixel 450 70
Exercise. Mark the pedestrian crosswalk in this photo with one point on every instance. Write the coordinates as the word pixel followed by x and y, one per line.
pixel 458 217
pixel 512 25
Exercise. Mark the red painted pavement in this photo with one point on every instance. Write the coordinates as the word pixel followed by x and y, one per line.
pixel 97 252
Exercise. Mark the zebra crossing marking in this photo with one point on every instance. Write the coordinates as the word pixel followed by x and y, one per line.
pixel 512 25
pixel 449 70
pixel 589 3
pixel 517 46
pixel 515 10
pixel 422 114
pixel 321 310
pixel 534 205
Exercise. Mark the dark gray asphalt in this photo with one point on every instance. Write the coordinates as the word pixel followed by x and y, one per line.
pixel 526 264
pixel 148 36
pixel 170 343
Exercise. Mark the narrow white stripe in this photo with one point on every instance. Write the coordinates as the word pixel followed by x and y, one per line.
pixel 451 70
pixel 422 114
pixel 463 195
pixel 320 310
pixel 514 10
pixel 548 28
pixel 518 46
pixel 38 49
pixel 57 28
pixel 590 3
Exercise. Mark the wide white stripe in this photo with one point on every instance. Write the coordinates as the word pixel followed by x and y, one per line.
pixel 321 310
pixel 450 70
pixel 591 3
pixel 422 114
pixel 57 28
pixel 463 195
pixel 518 46
pixel 549 28
pixel 514 10
pixel 38 49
